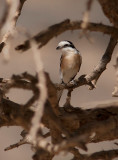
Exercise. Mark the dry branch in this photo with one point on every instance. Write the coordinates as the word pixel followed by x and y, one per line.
pixel 103 62
pixel 39 108
pixel 97 120
pixel 43 37
pixel 102 155
pixel 102 121
pixel 11 17
pixel 76 128
pixel 16 145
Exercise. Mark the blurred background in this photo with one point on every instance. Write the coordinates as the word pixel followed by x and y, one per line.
pixel 36 16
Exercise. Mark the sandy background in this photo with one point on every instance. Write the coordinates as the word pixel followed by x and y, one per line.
pixel 36 16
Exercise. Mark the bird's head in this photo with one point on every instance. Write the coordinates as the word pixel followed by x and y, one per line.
pixel 65 45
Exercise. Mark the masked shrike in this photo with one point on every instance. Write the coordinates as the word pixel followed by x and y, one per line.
pixel 70 61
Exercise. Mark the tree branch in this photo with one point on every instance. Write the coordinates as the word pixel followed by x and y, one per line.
pixel 43 37
pixel 39 108
pixel 102 155
pixel 103 62
pixel 11 18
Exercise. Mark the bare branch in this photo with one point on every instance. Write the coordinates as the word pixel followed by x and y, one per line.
pixel 102 121
pixel 103 62
pixel 43 37
pixel 76 83
pixel 102 155
pixel 14 13
pixel 36 120
pixel 16 145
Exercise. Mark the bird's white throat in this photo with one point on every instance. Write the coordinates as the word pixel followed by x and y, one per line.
pixel 69 50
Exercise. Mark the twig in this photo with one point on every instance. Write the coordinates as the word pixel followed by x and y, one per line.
pixel 43 37
pixel 16 145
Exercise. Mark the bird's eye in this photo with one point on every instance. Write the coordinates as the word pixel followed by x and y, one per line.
pixel 66 45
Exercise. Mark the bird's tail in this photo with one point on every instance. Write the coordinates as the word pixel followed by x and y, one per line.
pixel 59 94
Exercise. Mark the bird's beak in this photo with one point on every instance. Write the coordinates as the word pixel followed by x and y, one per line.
pixel 57 48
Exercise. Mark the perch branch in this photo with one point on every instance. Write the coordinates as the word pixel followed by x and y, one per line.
pixel 92 78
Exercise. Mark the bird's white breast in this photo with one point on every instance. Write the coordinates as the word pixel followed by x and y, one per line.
pixel 70 65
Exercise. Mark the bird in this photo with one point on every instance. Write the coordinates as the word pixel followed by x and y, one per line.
pixel 70 62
